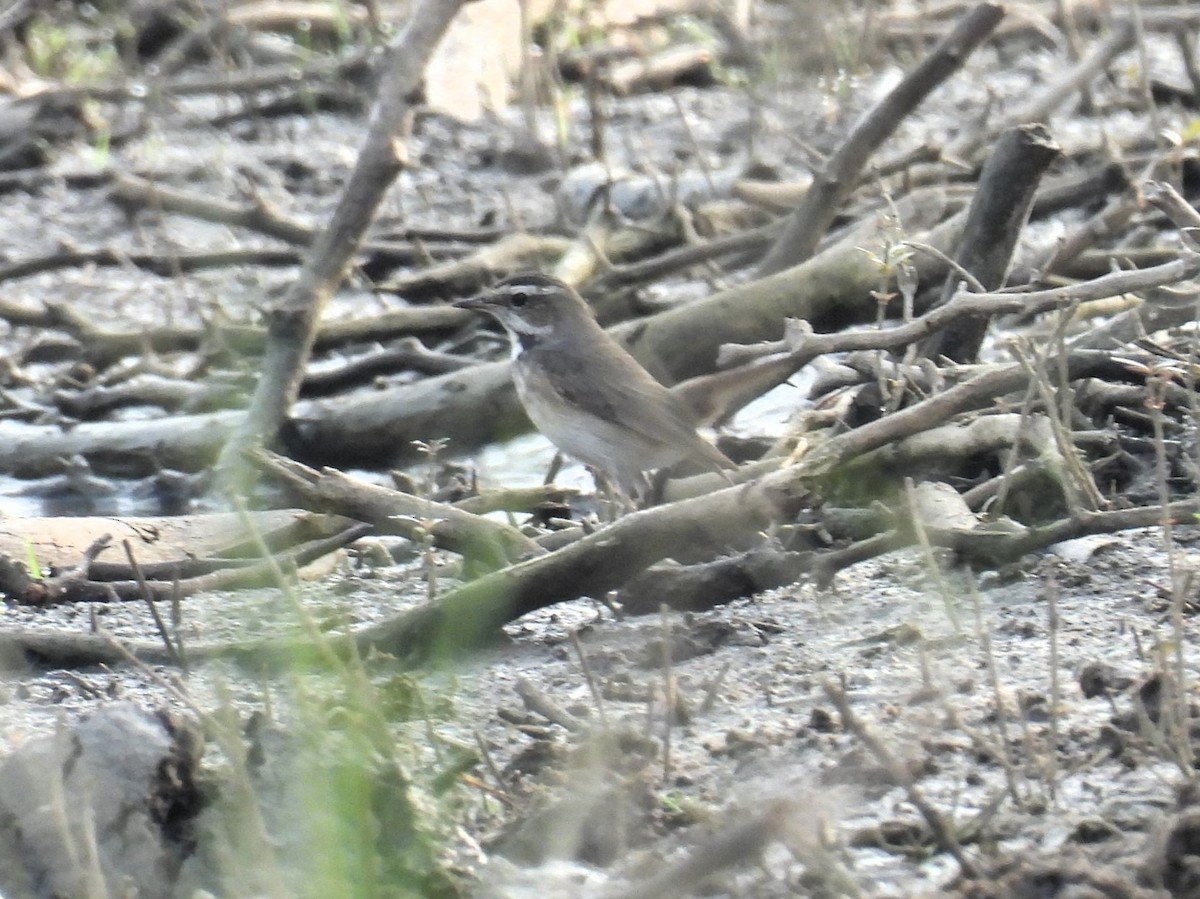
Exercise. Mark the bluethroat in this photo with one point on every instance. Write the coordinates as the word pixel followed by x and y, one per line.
pixel 584 391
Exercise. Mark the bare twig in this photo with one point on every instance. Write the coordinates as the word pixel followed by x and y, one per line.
pixel 292 323
pixel 833 183
pixel 938 826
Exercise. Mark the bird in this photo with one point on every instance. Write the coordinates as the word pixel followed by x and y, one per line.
pixel 584 391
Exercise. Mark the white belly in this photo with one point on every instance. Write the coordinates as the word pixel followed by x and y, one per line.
pixel 617 451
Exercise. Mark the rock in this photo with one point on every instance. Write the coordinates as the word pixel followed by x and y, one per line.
pixel 100 809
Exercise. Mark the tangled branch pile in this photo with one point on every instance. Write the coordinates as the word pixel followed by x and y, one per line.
pixel 993 311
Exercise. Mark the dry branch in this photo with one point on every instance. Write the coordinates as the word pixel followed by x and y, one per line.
pixel 79 584
pixel 292 324
pixel 839 176
pixel 804 345
pixel 188 442
pixel 485 544
pixel 105 346
pixel 685 530
pixel 995 220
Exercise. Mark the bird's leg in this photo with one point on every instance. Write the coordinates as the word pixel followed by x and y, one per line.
pixel 615 501
pixel 556 465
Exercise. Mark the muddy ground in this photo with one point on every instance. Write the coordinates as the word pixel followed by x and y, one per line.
pixel 1019 707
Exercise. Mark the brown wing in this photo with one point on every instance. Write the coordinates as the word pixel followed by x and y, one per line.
pixel 641 403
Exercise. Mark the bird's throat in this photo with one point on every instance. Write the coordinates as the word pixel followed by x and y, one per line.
pixel 526 338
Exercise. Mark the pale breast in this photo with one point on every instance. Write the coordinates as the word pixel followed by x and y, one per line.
pixel 595 441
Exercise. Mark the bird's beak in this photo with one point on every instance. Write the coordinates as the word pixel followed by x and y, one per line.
pixel 479 303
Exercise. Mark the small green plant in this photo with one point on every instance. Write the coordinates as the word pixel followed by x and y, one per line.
pixel 343 789
pixel 31 562
pixel 372 828
pixel 342 24
pixel 70 52
pixel 101 145
pixel 330 806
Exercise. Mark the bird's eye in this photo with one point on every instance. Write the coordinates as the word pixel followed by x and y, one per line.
pixel 518 298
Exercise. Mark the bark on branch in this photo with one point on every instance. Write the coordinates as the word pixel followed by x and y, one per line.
pixel 292 323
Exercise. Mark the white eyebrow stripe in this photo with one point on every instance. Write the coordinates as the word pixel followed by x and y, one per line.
pixel 540 289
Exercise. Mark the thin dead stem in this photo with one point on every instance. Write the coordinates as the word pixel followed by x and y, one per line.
pixel 593 686
pixel 1052 626
pixel 984 636
pixel 1156 384
pixel 941 830
pixel 668 691
pixel 931 562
